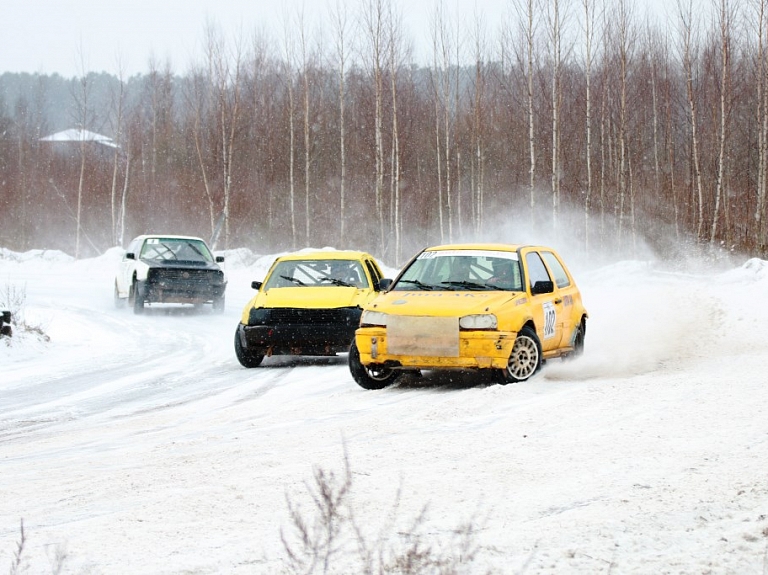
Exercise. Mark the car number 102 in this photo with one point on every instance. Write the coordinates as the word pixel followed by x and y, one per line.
pixel 550 317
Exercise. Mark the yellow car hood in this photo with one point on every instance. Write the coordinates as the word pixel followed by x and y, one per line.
pixel 312 297
pixel 442 303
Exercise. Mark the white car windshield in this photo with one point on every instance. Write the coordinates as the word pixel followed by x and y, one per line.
pixel 176 249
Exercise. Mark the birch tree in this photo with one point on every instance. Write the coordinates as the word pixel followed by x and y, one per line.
pixel 118 105
pixel 289 53
pixel 374 30
pixel 341 35
pixel 556 13
pixel 589 27
pixel 477 176
pixel 688 39
pixel 82 96
pixel 395 53
pixel 305 64
pixel 442 43
pixel 724 20
pixel 761 82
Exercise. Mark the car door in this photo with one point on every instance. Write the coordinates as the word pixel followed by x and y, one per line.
pixel 547 308
pixel 567 293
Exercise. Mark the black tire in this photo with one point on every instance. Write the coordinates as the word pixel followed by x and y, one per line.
pixel 369 378
pixel 578 340
pixel 245 357
pixel 119 301
pixel 525 359
pixel 219 304
pixel 138 299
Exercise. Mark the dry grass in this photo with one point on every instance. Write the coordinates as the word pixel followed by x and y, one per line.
pixel 13 299
pixel 330 538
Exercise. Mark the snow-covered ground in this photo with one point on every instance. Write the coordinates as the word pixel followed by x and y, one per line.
pixel 138 444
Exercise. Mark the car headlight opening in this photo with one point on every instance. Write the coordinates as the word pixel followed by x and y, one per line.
pixel 478 321
pixel 373 318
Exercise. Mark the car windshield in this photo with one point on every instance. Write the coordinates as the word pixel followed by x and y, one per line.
pixel 176 249
pixel 462 270
pixel 312 272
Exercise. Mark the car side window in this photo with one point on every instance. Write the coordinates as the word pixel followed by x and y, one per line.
pixel 561 277
pixel 537 272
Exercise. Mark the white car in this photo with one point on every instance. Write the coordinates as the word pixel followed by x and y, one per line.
pixel 169 269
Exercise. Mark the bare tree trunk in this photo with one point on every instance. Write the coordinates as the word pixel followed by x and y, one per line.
pixel 655 114
pixel 307 150
pixel 530 38
pixel 725 24
pixel 762 116
pixel 124 195
pixel 82 99
pixel 686 22
pixel 198 100
pixel 119 103
pixel 589 17
pixel 478 125
pixel 555 21
pixel 340 28
pixel 442 89
pixel 289 59
pixel 394 65
pixel 374 29
pixel 625 184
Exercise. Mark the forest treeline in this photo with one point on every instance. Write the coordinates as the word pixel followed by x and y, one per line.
pixel 578 114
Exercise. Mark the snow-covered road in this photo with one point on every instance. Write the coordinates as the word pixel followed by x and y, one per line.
pixel 138 444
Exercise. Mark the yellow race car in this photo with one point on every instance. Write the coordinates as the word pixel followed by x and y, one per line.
pixel 309 304
pixel 494 307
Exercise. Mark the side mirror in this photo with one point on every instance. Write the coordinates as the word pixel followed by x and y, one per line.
pixel 130 256
pixel 256 285
pixel 542 287
pixel 384 284
pixel 219 259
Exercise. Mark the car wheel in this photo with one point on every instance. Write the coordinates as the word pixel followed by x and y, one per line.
pixel 369 377
pixel 218 304
pixel 525 359
pixel 245 357
pixel 119 301
pixel 578 340
pixel 138 299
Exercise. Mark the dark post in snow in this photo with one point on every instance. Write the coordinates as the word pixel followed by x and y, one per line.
pixel 5 324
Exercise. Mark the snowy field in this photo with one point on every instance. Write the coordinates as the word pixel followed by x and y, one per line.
pixel 138 444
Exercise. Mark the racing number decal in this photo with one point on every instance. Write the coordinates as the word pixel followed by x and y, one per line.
pixel 550 317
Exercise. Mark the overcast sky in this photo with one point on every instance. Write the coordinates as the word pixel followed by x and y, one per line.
pixel 69 36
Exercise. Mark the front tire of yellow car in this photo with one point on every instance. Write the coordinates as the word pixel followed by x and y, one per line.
pixel 369 378
pixel 246 357
pixel 525 359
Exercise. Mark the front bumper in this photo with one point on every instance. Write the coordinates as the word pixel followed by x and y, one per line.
pixel 301 332
pixel 474 349
pixel 166 291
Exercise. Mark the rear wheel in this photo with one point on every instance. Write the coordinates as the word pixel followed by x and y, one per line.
pixel 373 377
pixel 578 340
pixel 244 356
pixel 525 359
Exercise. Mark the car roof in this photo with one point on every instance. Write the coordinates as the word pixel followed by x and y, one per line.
pixel 479 246
pixel 167 236
pixel 326 255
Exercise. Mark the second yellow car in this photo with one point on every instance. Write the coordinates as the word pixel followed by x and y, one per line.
pixel 309 304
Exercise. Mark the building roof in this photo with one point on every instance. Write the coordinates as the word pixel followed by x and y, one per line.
pixel 76 135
